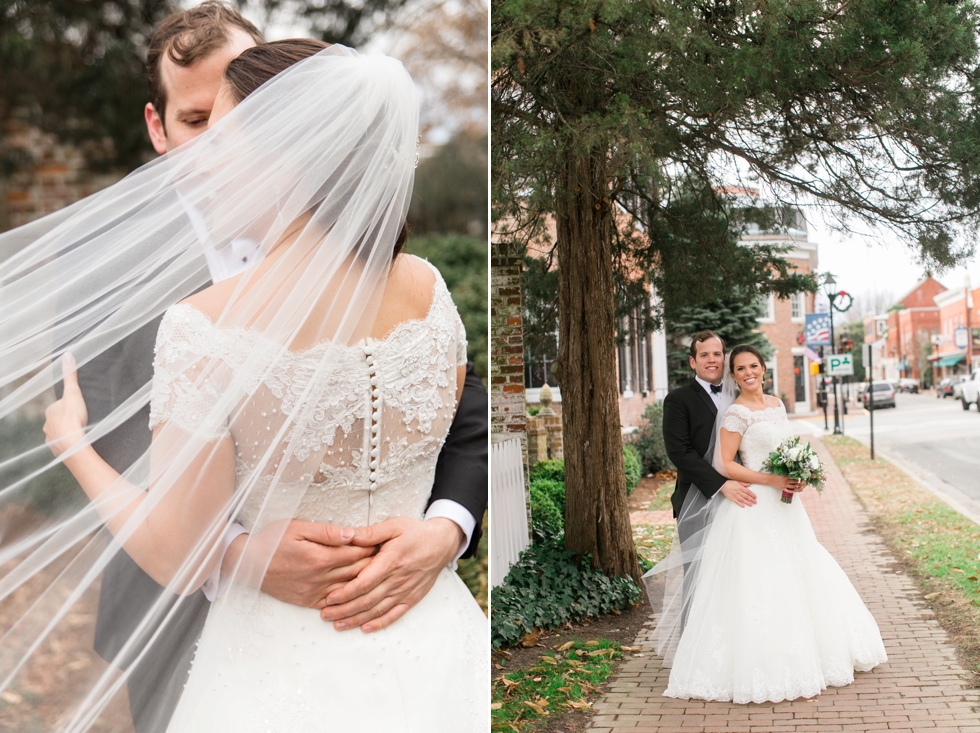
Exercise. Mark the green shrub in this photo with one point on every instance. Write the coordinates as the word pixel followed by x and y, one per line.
pixel 632 467
pixel 533 410
pixel 548 498
pixel 549 586
pixel 547 518
pixel 553 470
pixel 649 440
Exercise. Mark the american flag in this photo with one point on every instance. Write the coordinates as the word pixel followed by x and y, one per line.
pixel 817 329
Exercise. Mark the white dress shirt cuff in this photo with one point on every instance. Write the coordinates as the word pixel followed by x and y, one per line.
pixel 215 584
pixel 449 509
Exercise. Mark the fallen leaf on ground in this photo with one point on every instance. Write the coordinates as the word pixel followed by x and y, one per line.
pixel 535 707
pixel 579 704
pixel 496 705
pixel 530 638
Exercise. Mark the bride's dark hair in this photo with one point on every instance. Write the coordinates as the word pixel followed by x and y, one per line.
pixel 258 64
pixel 745 349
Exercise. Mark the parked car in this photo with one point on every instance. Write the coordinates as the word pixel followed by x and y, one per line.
pixel 884 395
pixel 945 388
pixel 907 384
pixel 970 391
pixel 958 386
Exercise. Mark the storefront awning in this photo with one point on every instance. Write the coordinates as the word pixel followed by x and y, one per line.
pixel 950 360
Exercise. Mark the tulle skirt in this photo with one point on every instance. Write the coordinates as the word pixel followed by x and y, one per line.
pixel 270 667
pixel 772 615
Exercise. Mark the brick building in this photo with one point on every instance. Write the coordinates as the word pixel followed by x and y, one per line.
pixel 911 325
pixel 958 314
pixel 641 363
pixel 783 318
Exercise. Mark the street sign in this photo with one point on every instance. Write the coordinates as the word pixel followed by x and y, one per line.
pixel 866 354
pixel 960 337
pixel 840 365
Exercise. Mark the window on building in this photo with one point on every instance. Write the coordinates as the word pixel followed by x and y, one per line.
pixel 768 304
pixel 797 306
pixel 635 356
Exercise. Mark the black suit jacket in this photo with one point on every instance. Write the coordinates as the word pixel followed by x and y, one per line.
pixel 461 472
pixel 689 419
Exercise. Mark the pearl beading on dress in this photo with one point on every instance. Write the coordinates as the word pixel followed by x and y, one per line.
pixel 375 422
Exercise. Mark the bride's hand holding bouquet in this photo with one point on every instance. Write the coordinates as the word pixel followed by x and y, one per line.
pixel 799 463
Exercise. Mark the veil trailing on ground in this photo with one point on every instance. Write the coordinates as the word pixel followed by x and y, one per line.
pixel 322 156
pixel 670 583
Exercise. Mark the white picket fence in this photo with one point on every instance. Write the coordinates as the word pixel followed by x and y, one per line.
pixel 509 533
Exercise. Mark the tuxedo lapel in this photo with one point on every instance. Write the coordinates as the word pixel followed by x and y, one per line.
pixel 705 397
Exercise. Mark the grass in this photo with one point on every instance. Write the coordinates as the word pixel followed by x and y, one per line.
pixel 661 501
pixel 937 546
pixel 563 680
pixel 653 541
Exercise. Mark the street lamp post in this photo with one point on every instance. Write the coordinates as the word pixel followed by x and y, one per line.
pixel 830 289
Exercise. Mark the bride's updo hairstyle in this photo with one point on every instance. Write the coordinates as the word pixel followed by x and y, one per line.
pixel 258 64
pixel 745 349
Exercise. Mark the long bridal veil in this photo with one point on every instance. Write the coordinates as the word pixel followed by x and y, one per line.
pixel 327 150
pixel 671 583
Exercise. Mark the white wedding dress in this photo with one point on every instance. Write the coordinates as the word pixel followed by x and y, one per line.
pixel 263 665
pixel 773 616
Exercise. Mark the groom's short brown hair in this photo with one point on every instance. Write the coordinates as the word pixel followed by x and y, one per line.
pixel 701 337
pixel 189 35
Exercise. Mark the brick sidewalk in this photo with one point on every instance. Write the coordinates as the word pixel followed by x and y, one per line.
pixel 921 687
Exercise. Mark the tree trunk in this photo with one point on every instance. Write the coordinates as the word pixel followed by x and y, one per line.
pixel 596 512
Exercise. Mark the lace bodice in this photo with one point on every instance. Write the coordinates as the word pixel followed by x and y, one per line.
pixel 761 431
pixel 368 419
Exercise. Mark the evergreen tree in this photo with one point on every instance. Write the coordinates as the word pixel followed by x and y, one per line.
pixel 625 121
pixel 734 318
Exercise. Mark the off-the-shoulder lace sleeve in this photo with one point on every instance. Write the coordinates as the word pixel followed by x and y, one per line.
pixel 460 341
pixel 185 390
pixel 734 420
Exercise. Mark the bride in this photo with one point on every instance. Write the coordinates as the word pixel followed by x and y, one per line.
pixel 319 384
pixel 755 608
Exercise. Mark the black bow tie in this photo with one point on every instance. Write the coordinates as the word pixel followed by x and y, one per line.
pixel 715 388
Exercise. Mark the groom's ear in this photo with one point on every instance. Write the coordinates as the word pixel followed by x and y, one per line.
pixel 154 126
pixel 690 360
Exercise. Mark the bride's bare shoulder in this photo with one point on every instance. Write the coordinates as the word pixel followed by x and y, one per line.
pixel 212 300
pixel 773 401
pixel 411 285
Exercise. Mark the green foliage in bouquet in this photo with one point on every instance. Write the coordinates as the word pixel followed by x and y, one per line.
pixel 549 586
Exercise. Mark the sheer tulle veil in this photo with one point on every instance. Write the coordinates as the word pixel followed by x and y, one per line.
pixel 325 151
pixel 670 584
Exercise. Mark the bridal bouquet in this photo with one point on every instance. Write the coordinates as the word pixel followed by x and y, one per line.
pixel 796 461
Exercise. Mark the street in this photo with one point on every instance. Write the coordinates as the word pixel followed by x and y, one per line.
pixel 934 439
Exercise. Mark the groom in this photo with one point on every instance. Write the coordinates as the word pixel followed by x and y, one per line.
pixel 312 564
pixel 689 420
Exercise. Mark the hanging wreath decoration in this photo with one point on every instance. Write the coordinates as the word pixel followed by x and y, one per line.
pixel 840 299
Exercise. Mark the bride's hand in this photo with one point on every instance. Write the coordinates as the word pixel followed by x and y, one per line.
pixel 412 554
pixel 65 420
pixel 785 483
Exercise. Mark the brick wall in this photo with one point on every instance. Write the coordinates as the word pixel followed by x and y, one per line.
pixel 508 413
pixel 56 175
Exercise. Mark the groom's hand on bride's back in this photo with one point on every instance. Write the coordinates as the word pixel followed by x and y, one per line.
pixel 411 553
pixel 738 492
